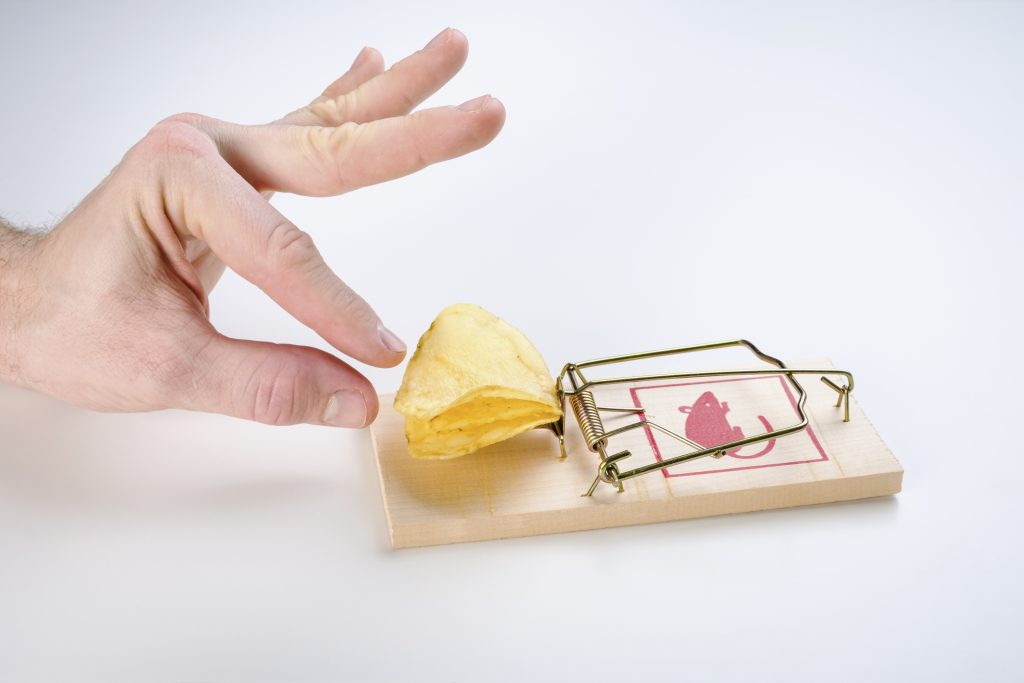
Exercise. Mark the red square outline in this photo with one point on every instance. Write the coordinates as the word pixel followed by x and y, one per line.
pixel 657 453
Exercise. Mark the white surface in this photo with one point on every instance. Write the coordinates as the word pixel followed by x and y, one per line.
pixel 861 166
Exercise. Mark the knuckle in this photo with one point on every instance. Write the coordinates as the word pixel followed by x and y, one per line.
pixel 352 307
pixel 337 141
pixel 325 150
pixel 173 138
pixel 332 111
pixel 189 118
pixel 274 397
pixel 325 112
pixel 288 247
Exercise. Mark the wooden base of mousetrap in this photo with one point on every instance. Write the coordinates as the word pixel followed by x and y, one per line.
pixel 521 487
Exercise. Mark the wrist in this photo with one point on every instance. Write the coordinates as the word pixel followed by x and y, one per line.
pixel 16 249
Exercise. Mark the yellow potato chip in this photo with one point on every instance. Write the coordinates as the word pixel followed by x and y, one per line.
pixel 474 380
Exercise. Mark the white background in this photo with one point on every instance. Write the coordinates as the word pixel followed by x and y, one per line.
pixel 825 179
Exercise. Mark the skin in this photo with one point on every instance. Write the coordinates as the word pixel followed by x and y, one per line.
pixel 110 309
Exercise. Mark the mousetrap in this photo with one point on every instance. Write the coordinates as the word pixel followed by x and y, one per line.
pixel 642 448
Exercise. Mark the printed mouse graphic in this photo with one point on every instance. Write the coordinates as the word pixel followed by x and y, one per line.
pixel 707 424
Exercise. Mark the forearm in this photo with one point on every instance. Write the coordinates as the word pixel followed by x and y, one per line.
pixel 16 247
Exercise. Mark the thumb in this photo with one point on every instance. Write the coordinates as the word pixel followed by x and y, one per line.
pixel 280 384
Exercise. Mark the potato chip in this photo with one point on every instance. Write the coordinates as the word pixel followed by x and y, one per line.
pixel 474 380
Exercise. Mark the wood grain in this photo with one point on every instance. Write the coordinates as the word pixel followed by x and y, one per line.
pixel 520 487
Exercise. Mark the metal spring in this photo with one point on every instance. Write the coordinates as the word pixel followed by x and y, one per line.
pixel 585 409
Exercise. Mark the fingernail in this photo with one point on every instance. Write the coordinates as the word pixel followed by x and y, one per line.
pixel 346 408
pixel 391 340
pixel 440 39
pixel 475 104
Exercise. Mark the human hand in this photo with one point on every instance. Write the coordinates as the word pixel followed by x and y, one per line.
pixel 110 310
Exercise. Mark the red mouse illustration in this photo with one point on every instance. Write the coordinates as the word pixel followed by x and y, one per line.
pixel 707 425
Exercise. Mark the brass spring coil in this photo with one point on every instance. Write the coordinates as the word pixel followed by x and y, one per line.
pixel 585 409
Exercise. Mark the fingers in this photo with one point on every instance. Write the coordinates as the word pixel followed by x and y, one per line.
pixel 203 194
pixel 395 92
pixel 322 161
pixel 368 64
pixel 279 385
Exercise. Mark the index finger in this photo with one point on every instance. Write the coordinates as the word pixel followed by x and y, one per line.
pixel 213 203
